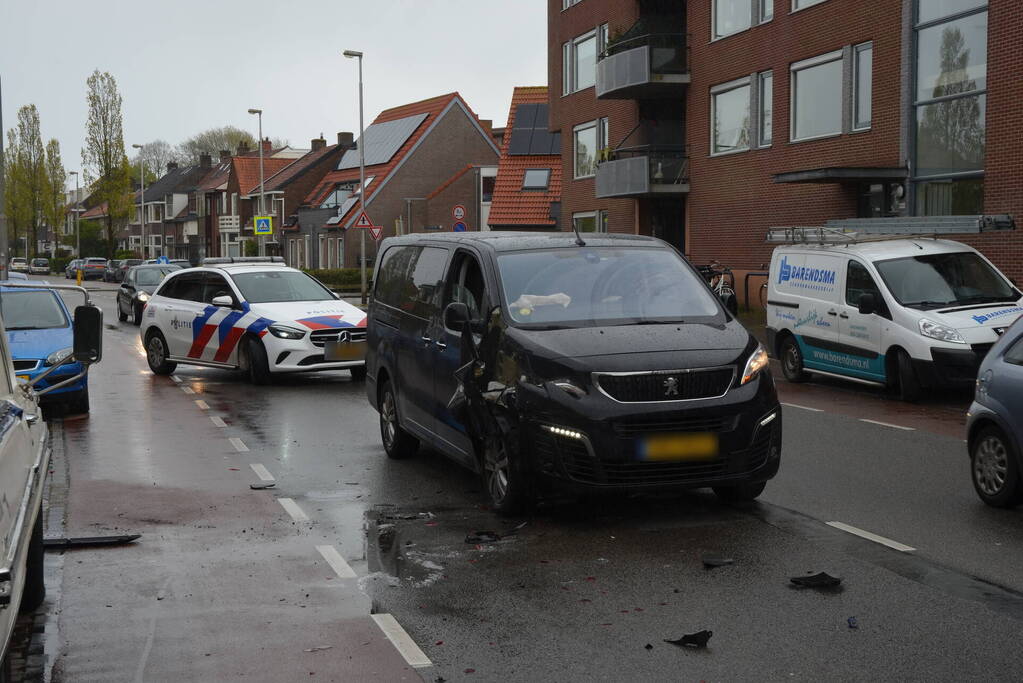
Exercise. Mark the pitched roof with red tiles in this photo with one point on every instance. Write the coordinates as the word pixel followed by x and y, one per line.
pixel 281 179
pixel 247 171
pixel 98 211
pixel 432 107
pixel 511 204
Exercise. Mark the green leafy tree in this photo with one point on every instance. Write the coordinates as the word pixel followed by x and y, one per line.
pixel 106 165
pixel 55 200
pixel 93 240
pixel 26 168
pixel 16 203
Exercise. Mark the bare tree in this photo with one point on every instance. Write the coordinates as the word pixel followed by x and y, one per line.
pixel 215 140
pixel 156 154
pixel 103 157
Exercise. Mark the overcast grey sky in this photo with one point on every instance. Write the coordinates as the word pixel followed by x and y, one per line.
pixel 186 65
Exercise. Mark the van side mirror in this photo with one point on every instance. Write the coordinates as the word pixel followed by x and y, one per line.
pixel 88 334
pixel 222 301
pixel 868 304
pixel 456 316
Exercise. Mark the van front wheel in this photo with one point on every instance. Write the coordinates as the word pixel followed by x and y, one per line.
pixel 909 385
pixel 792 361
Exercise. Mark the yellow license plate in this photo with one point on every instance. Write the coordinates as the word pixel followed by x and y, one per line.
pixel 678 447
pixel 344 351
pixel 24 378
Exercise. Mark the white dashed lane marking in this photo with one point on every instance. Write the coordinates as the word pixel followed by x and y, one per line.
pixel 203 405
pixel 187 390
pixel 887 424
pixel 895 545
pixel 261 472
pixel 292 508
pixel 176 379
pixel 336 562
pixel 793 405
pixel 401 640
pixel 238 444
pixel 215 419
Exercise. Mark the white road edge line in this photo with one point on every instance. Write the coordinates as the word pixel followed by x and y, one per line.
pixel 336 562
pixel 203 405
pixel 401 640
pixel 217 420
pixel 176 379
pixel 187 390
pixel 888 424
pixel 895 545
pixel 238 444
pixel 292 508
pixel 793 405
pixel 261 472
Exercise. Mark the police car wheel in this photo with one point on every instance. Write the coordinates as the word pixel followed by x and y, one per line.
pixel 256 362
pixel 397 442
pixel 156 354
pixel 792 361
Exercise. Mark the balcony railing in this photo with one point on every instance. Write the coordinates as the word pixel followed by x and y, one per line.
pixel 648 66
pixel 643 172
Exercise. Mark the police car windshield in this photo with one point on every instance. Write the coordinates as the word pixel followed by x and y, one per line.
pixel 941 280
pixel 588 286
pixel 31 311
pixel 275 286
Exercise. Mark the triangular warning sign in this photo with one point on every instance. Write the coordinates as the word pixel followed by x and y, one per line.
pixel 363 221
pixel 375 231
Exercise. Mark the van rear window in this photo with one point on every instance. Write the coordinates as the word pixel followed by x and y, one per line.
pixel 409 279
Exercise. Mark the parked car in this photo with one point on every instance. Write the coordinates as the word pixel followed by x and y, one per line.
pixel 18 265
pixel 14 275
pixel 40 266
pixel 181 262
pixel 40 334
pixel 93 268
pixel 24 461
pixel 549 364
pixel 909 314
pixel 110 272
pixel 138 286
pixel 994 428
pixel 253 314
pixel 71 269
pixel 122 270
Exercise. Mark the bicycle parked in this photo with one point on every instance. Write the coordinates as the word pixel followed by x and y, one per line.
pixel 722 282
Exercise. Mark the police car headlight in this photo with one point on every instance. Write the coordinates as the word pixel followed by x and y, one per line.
pixel 757 362
pixel 285 332
pixel 143 297
pixel 929 328
pixel 56 357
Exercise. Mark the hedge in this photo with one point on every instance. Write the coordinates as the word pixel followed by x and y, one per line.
pixel 58 264
pixel 348 279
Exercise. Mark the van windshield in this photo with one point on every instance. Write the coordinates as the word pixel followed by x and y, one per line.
pixel 940 280
pixel 592 286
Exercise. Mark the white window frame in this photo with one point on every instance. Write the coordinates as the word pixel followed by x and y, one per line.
pixel 601 125
pixel 599 220
pixel 799 5
pixel 569 82
pixel 762 15
pixel 857 50
pixel 794 69
pixel 721 89
pixel 714 20
pixel 565 4
pixel 537 188
pixel 234 203
pixel 762 96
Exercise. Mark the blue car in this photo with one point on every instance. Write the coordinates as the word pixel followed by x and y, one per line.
pixel 39 333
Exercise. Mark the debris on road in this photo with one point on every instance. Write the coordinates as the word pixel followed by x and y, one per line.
pixel 88 541
pixel 648 646
pixel 263 485
pixel 696 640
pixel 819 580
pixel 712 561
pixel 318 648
pixel 853 623
pixel 482 537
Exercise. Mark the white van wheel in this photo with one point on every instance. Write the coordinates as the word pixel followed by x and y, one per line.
pixel 909 385
pixel 792 360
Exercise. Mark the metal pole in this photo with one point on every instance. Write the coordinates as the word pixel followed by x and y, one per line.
pixel 362 188
pixel 3 203
pixel 262 207
pixel 78 234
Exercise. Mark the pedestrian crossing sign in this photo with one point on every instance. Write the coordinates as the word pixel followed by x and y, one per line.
pixel 263 225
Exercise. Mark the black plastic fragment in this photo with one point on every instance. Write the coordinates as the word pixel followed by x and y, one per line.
pixel 648 646
pixel 482 537
pixel 696 640
pixel 88 541
pixel 820 580
pixel 853 624
pixel 711 561
pixel 263 485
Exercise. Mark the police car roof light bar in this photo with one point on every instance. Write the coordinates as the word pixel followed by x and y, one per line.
pixel 853 230
pixel 220 260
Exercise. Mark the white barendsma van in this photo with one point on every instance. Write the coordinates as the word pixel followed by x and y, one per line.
pixel 907 313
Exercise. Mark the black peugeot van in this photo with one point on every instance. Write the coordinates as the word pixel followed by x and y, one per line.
pixel 547 362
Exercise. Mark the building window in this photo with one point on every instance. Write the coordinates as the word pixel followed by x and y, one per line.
pixel 588 141
pixel 766 101
pixel 950 103
pixel 565 4
pixel 863 67
pixel 590 221
pixel 735 16
pixel 803 4
pixel 766 9
pixel 580 60
pixel 536 179
pixel 730 124
pixel 234 203
pixel 817 97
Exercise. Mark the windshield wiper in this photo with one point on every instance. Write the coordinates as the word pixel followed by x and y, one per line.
pixel 986 299
pixel 930 304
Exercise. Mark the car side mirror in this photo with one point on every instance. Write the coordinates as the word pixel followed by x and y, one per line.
pixel 868 304
pixel 223 301
pixel 456 316
pixel 88 334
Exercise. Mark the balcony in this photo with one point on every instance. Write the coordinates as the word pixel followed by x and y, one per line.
pixel 647 171
pixel 648 66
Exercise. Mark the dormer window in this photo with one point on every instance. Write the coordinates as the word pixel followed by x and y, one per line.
pixel 536 179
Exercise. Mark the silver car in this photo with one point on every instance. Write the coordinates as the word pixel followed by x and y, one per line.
pixel 994 428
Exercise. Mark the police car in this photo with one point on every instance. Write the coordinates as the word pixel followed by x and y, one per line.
pixel 252 314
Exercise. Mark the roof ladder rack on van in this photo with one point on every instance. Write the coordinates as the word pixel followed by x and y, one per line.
pixel 853 230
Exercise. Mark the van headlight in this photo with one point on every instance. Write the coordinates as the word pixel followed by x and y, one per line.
pixel 758 360
pixel 285 332
pixel 56 357
pixel 929 328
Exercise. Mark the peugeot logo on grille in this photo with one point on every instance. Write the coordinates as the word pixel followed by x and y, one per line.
pixel 671 386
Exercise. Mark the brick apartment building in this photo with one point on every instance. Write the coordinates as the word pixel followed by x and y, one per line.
pixel 794 112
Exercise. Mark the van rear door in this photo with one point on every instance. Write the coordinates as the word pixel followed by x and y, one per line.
pixel 814 282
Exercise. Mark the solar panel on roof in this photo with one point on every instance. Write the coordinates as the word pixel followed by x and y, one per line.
pixel 521 141
pixel 383 140
pixel 525 116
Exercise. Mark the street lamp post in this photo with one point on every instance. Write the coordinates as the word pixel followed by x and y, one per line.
pixel 352 54
pixel 262 208
pixel 142 199
pixel 78 239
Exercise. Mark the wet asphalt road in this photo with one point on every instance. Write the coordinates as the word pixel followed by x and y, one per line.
pixel 226 583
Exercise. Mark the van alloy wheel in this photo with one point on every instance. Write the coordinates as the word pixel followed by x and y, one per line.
pixel 497 470
pixel 388 421
pixel 991 465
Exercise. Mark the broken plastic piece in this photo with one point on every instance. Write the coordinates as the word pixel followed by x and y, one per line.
pixel 318 648
pixel 482 537
pixel 694 640
pixel 821 580
pixel 853 623
pixel 88 541
pixel 648 646
pixel 263 485
pixel 711 561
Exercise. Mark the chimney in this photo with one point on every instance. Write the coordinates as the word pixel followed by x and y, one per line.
pixel 243 148
pixel 488 126
pixel 318 143
pixel 266 146
pixel 346 140
pixel 205 160
pixel 225 155
pixel 171 165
